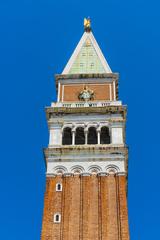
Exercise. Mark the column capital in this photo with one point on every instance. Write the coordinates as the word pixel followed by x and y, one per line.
pixel 86 130
pixel 85 174
pixel 98 129
pixel 102 174
pixel 68 174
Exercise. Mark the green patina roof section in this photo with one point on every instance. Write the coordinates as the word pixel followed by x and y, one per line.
pixel 87 60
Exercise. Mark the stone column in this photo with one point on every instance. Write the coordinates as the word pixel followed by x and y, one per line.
pixel 86 135
pixel 73 137
pixel 98 136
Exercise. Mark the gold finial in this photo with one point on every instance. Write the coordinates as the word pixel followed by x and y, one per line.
pixel 87 24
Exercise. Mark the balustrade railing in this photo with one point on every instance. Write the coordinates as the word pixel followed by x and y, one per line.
pixel 86 104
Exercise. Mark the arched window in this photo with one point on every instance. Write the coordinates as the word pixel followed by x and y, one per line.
pixel 58 187
pixel 79 138
pixel 92 135
pixel 104 137
pixel 57 218
pixel 67 136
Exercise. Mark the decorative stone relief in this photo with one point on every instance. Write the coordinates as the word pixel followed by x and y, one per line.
pixel 86 94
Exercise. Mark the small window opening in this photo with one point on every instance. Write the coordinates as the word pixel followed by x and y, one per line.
pixel 104 136
pixel 81 64
pixel 92 135
pixel 58 187
pixel 67 136
pixel 80 137
pixel 57 217
pixel 90 54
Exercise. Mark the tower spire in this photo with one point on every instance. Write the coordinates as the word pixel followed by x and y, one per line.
pixel 87 56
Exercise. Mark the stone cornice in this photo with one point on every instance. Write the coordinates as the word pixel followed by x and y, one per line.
pixel 107 148
pixel 89 75
pixel 60 151
pixel 51 111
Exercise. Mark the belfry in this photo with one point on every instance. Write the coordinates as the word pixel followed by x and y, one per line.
pixel 86 159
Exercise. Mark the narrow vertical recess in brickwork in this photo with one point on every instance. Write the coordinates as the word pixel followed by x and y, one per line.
pixel 67 207
pixel 123 211
pixel 93 213
pixel 80 210
pixel 85 206
pixel 99 209
pixel 105 207
pixel 90 207
pixel 112 207
pixel 118 208
pixel 74 209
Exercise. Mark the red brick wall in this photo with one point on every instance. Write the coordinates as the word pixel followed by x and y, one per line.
pixel 101 92
pixel 91 207
pixel 52 204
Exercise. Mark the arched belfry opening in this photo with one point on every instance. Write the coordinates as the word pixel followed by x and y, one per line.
pixel 67 136
pixel 104 137
pixel 80 137
pixel 92 136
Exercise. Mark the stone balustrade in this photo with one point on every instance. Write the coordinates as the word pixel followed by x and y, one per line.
pixel 86 104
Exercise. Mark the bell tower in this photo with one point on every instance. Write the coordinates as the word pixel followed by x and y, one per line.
pixel 86 159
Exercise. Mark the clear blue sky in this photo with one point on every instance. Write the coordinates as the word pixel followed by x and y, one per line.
pixel 37 38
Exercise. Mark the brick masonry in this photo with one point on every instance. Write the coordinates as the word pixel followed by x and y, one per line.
pixel 102 92
pixel 91 207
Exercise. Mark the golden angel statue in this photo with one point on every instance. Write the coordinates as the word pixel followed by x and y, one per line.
pixel 87 24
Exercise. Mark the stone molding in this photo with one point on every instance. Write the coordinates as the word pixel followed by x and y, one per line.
pixel 87 75
pixel 86 174
pixel 89 168
pixel 52 111
pixel 71 150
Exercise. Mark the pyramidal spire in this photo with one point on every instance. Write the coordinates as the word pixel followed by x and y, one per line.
pixel 87 57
